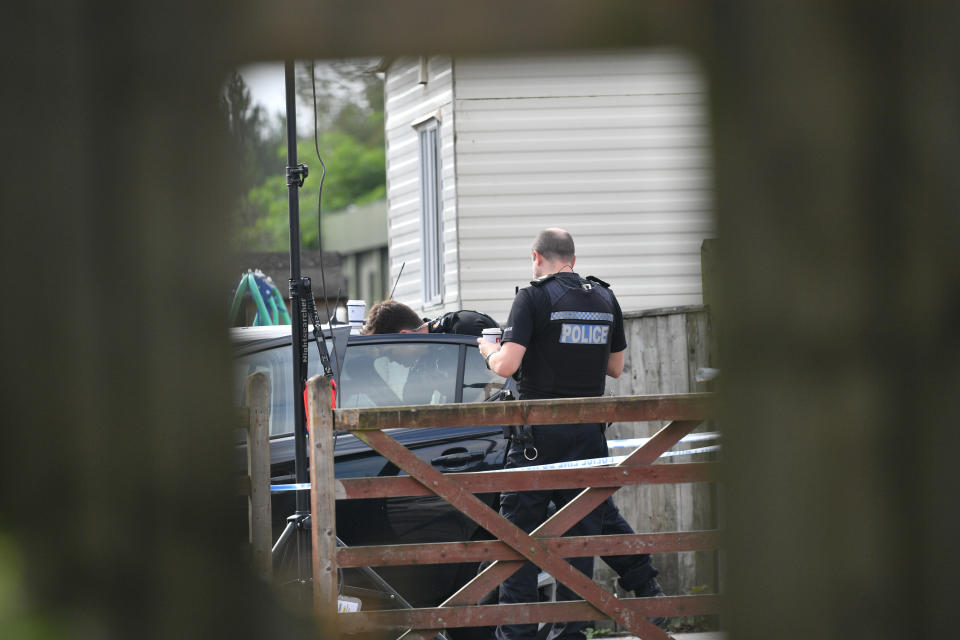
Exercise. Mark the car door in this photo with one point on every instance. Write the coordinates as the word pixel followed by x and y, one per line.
pixel 419 371
pixel 391 371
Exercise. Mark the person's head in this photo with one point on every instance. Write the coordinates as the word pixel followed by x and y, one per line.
pixel 463 322
pixel 391 316
pixel 552 251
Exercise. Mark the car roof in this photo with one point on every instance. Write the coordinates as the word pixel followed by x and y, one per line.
pixel 248 339
pixel 245 335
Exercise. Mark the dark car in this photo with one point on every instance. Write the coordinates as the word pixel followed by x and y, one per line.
pixel 377 371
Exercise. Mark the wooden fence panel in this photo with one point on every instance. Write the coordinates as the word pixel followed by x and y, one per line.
pixel 322 500
pixel 527 613
pixel 665 349
pixel 490 550
pixel 258 469
pixel 537 480
pixel 542 546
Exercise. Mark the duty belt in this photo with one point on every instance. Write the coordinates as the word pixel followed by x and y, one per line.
pixel 521 435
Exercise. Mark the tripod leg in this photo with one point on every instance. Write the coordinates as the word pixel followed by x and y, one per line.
pixel 293 523
pixel 387 587
pixel 287 532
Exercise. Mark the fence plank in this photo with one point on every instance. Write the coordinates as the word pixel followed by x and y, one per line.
pixel 672 351
pixel 322 500
pixel 526 613
pixel 698 349
pixel 258 464
pixel 648 341
pixel 490 550
pixel 690 406
pixel 562 520
pixel 449 489
pixel 541 480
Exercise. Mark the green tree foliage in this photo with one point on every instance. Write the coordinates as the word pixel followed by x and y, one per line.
pixel 355 175
pixel 349 107
pixel 253 143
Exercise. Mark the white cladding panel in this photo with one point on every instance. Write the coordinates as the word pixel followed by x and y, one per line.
pixel 613 147
pixel 408 102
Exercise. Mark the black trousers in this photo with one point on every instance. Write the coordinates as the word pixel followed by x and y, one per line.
pixel 634 570
pixel 528 509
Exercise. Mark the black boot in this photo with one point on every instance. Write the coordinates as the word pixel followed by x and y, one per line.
pixel 651 589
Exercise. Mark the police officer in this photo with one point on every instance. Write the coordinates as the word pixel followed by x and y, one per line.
pixel 637 573
pixel 564 335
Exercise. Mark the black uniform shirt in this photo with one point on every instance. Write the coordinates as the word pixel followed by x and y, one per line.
pixel 569 327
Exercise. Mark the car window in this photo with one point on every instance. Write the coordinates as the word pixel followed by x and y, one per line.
pixel 384 375
pixel 375 375
pixel 277 364
pixel 479 382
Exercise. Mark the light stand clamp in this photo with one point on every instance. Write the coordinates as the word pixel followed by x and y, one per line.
pixel 296 175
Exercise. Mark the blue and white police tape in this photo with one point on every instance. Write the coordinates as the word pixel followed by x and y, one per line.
pixel 639 442
pixel 570 464
pixel 280 488
pixel 602 462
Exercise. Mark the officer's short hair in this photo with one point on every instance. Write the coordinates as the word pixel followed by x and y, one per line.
pixel 554 244
pixel 391 316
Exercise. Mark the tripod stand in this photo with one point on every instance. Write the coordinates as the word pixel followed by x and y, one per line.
pixel 296 173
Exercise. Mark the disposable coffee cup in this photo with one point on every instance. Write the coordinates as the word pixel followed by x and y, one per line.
pixel 356 311
pixel 492 334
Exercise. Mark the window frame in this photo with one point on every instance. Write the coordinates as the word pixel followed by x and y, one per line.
pixel 455 388
pixel 431 211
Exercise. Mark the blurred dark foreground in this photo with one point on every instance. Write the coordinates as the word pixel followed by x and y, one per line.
pixel 837 141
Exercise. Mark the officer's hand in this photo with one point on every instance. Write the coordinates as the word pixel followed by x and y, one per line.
pixel 491 347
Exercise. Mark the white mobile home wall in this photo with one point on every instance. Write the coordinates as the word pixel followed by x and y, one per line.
pixel 407 102
pixel 612 146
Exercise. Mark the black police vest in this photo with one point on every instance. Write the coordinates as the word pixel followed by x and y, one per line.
pixel 568 353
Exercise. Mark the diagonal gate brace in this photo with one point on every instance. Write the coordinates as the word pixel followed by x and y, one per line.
pixel 528 545
pixel 531 548
pixel 558 524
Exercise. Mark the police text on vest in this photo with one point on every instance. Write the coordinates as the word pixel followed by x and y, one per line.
pixel 584 333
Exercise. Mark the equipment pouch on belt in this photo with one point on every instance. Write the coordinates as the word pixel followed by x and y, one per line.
pixel 522 435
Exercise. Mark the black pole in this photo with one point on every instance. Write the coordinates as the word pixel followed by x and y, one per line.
pixel 298 314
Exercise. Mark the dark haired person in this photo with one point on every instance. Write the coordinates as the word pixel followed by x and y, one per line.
pixel 427 370
pixel 564 335
pixel 391 316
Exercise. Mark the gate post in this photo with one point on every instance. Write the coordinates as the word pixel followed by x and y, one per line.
pixel 322 500
pixel 258 468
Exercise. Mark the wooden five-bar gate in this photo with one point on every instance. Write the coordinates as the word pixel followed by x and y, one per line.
pixel 545 546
